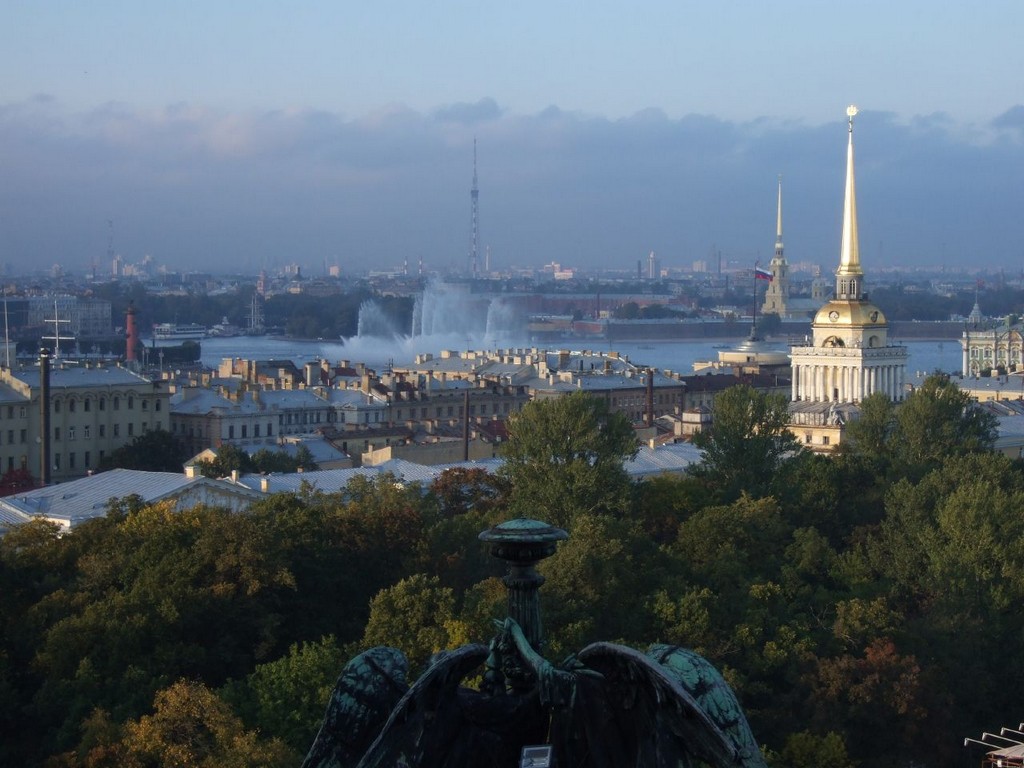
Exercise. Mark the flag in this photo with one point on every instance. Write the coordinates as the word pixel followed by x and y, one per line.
pixel 762 274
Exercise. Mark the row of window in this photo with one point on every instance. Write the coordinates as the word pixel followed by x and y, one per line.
pixel 115 404
pixel 87 431
pixel 73 460
pixel 57 458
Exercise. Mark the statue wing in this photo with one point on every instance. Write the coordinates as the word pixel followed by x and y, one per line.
pixel 367 691
pixel 658 711
pixel 427 722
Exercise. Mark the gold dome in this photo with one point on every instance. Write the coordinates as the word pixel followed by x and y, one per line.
pixel 850 313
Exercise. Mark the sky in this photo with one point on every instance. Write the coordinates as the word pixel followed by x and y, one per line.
pixel 241 135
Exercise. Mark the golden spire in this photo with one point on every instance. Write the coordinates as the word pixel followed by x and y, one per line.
pixel 779 228
pixel 778 237
pixel 849 258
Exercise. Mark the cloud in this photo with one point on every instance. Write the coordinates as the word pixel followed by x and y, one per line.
pixel 1013 118
pixel 196 185
pixel 469 114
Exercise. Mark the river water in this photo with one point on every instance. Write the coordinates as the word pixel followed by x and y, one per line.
pixel 378 353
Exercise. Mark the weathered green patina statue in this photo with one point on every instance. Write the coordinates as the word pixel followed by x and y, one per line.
pixel 608 707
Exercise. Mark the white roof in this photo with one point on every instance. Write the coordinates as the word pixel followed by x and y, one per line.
pixel 79 500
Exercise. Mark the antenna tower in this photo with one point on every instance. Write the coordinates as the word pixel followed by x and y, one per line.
pixel 474 197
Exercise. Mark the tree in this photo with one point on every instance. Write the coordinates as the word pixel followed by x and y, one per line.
pixel 266 461
pixel 193 727
pixel 156 450
pixel 870 434
pixel 748 442
pixel 938 420
pixel 565 457
pixel 416 616
pixel 15 481
pixel 286 698
pixel 230 458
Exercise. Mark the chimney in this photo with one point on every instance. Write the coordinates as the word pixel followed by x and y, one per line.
pixel 44 417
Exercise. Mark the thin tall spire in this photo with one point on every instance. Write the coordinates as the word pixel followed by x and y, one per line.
pixel 849 258
pixel 474 196
pixel 778 234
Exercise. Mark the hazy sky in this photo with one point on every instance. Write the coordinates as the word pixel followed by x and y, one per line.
pixel 244 134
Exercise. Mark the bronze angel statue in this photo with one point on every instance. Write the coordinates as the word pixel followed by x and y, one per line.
pixel 609 706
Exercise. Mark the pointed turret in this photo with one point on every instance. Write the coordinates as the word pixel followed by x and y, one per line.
pixel 776 296
pixel 849 274
pixel 778 234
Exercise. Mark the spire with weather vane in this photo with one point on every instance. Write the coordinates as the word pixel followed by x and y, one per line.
pixel 849 274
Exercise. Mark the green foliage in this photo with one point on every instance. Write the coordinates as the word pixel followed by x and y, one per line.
pixel 230 458
pixel 565 457
pixel 286 698
pixel 416 616
pixel 155 450
pixel 748 443
pixel 938 420
pixel 810 750
pixel 859 604
pixel 596 584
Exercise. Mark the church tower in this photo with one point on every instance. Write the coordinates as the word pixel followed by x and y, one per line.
pixel 850 356
pixel 776 295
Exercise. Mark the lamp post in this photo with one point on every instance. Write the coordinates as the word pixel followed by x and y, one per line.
pixel 522 543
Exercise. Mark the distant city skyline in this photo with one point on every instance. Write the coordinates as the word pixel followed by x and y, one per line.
pixel 345 135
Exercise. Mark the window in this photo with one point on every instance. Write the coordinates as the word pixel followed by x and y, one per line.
pixel 131 428
pixel 10 411
pixel 270 429
pixel 23 412
pixel 85 432
pixel 71 460
pixel 824 439
pixel 117 403
pixel 131 403
pixel 145 426
pixel 103 403
pixel 117 430
pixel 56 406
pixel 71 406
pixel 56 461
pixel 86 404
pixel 10 437
pixel 145 404
pixel 87 464
pixel 156 407
pixel 255 430
pixel 103 430
pixel 231 432
pixel 71 433
pixel 23 437
pixel 56 434
pixel 245 430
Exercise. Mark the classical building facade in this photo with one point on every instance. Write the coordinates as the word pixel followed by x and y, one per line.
pixel 93 410
pixel 850 356
pixel 993 348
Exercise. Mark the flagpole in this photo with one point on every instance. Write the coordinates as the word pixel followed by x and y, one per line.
pixel 753 330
